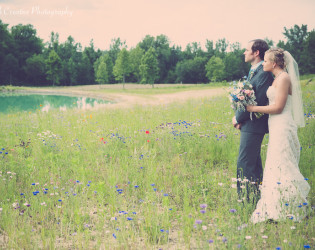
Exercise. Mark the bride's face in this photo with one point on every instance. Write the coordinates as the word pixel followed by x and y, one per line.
pixel 268 63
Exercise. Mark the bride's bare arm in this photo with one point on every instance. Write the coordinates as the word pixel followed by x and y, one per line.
pixel 282 91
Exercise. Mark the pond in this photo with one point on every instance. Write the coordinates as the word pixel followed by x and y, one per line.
pixel 17 102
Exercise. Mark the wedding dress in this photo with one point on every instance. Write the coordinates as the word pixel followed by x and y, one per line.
pixel 284 189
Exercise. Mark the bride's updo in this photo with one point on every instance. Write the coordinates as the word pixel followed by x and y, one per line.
pixel 277 56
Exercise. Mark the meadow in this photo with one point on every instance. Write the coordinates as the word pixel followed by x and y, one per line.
pixel 150 177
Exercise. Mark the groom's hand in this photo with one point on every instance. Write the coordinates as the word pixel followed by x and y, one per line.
pixel 238 126
pixel 235 124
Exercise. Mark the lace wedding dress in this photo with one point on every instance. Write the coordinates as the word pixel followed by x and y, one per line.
pixel 284 189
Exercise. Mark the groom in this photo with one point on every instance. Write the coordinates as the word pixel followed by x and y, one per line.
pixel 249 164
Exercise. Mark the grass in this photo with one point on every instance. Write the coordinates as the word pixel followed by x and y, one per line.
pixel 135 178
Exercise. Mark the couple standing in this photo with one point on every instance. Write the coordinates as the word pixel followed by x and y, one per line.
pixel 280 190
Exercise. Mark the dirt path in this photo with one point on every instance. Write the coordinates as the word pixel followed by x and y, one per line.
pixel 128 100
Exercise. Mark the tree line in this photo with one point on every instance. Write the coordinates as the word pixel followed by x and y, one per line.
pixel 25 59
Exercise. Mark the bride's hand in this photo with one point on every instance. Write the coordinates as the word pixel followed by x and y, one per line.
pixel 250 108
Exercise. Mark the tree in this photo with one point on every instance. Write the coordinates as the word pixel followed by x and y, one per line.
pixel 101 71
pixel 115 47
pixel 220 47
pixel 26 44
pixel 296 37
pixel 192 70
pixel 35 69
pixel 6 49
pixel 122 66
pixel 215 69
pixel 149 67
pixel 135 56
pixel 53 67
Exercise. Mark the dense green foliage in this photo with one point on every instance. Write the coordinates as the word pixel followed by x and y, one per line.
pixel 26 60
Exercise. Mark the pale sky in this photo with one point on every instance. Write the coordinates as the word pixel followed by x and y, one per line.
pixel 182 21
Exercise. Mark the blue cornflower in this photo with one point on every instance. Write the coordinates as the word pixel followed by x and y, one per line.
pixel 114 236
pixel 89 181
pixel 307 246
pixel 232 210
pixel 134 212
pixel 78 181
pixel 33 184
pixel 136 186
pixel 306 179
pixel 162 230
pixel 154 189
pixel 88 185
pixel 152 184
pixel 287 204
pixel 198 221
pixel 278 248
pixel 203 211
pixel 34 193
pixel 22 193
pixel 60 200
pixel 129 218
pixel 210 241
pixel 165 194
pixel 304 203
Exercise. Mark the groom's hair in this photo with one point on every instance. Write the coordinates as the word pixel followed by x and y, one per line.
pixel 261 46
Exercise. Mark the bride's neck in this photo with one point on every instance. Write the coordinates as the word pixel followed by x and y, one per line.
pixel 276 71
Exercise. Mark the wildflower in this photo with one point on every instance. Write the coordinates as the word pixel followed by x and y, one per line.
pixel 129 218
pixel 203 205
pixel 1 209
pixel 60 200
pixel 307 246
pixel 220 184
pixel 233 186
pixel 203 211
pixel 198 221
pixel 293 227
pixel 152 184
pixel 232 210
pixel 248 237
pixel 264 237
pixel 210 241
pixel 136 186
pixel 162 230
pixel 147 132
pixel 204 228
pixel 224 239
pixel 22 194
pixel 165 194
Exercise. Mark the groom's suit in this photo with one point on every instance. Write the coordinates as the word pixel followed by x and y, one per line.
pixel 252 133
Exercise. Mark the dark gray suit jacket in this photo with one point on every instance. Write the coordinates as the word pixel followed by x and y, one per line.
pixel 261 81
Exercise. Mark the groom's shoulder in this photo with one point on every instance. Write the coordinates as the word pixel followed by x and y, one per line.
pixel 266 75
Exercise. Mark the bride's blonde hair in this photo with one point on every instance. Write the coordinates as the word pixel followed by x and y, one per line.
pixel 277 56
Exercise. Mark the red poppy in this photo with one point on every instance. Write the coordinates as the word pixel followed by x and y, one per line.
pixel 147 132
pixel 148 140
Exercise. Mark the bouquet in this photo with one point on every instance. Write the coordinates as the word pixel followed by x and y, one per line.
pixel 243 95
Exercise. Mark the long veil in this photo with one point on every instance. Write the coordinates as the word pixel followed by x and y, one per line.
pixel 297 101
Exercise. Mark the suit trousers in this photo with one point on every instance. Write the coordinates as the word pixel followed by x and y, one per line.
pixel 249 165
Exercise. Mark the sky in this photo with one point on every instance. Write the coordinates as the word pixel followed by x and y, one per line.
pixel 182 21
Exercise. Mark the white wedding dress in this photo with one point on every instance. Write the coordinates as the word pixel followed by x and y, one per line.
pixel 284 189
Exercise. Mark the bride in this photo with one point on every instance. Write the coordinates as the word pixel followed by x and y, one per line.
pixel 284 189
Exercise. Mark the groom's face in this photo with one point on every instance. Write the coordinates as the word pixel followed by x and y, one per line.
pixel 249 55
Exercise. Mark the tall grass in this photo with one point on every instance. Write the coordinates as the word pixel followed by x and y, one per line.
pixel 136 178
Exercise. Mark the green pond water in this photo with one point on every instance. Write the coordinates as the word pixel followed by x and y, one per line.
pixel 16 102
